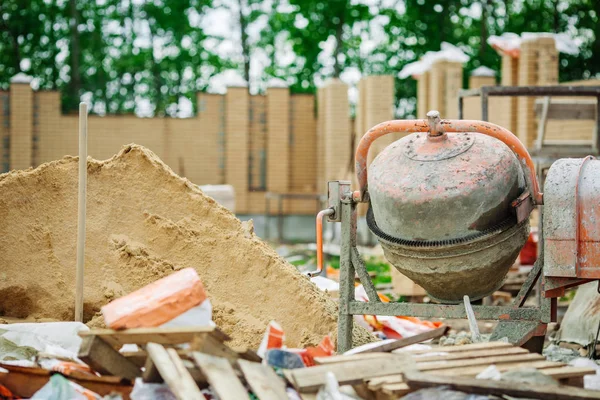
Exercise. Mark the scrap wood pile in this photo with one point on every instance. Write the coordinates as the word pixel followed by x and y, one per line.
pixel 162 344
pixel 197 363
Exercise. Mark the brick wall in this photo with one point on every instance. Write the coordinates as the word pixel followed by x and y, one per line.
pixel 255 143
pixel 21 123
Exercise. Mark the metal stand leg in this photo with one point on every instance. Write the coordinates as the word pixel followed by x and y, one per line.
pixel 348 241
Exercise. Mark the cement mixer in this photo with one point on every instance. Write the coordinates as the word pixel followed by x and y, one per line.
pixel 450 204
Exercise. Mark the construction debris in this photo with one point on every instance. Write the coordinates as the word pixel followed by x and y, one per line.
pixel 143 223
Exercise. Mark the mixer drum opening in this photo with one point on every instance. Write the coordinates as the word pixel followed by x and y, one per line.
pixel 441 209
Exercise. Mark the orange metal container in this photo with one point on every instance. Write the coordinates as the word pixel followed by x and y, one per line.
pixel 572 219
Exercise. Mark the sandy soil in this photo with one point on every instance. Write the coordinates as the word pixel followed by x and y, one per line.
pixel 144 222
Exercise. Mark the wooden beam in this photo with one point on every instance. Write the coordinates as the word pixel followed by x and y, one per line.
pixel 386 347
pixel 221 376
pixel 103 358
pixel 466 347
pixel 417 380
pixel 568 110
pixel 210 345
pixel 435 365
pixel 311 379
pixel 171 336
pixel 263 381
pixel 174 373
pixel 461 355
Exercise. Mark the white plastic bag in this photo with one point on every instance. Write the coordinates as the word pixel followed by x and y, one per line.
pixel 60 388
pixel 151 391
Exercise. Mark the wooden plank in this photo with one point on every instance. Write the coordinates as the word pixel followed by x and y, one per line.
pixel 435 365
pixel 263 381
pixel 387 347
pixel 466 347
pixel 352 358
pixel 208 344
pixel 473 371
pixel 174 374
pixel 311 379
pixel 397 389
pixel 104 359
pixel 568 372
pixel 221 376
pixel 562 110
pixel 418 380
pixel 171 336
pixel 151 373
pixel 461 355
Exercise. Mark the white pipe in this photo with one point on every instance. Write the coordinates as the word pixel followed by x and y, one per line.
pixel 81 205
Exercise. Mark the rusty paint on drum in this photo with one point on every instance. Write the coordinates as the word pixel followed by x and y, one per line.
pixel 448 187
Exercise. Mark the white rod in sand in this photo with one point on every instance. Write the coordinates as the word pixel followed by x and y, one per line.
pixel 81 200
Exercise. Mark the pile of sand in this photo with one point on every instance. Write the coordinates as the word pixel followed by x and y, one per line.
pixel 144 222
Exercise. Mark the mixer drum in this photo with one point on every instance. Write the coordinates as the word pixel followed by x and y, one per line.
pixel 441 209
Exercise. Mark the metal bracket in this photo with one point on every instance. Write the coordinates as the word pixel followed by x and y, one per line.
pixel 336 192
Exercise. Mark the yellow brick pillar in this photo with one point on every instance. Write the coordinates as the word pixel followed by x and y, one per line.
pixel 547 61
pixel 475 81
pixel 278 139
pixel 481 76
pixel 528 68
pixel 453 83
pixel 303 151
pixel 378 107
pixel 236 144
pixel 337 131
pixel 21 122
pixel 423 106
pixel 508 106
pixel 437 85
pixel 320 139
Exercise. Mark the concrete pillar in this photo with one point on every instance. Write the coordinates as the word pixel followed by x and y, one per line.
pixel 21 122
pixel 236 144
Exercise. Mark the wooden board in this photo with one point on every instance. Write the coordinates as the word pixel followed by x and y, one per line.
pixel 311 379
pixel 174 373
pixel 210 345
pixel 466 347
pixel 169 336
pixel 568 109
pixel 460 355
pixel 104 359
pixel 263 381
pixel 435 365
pixel 473 371
pixel 417 380
pixel 421 337
pixel 221 376
pixel 353 358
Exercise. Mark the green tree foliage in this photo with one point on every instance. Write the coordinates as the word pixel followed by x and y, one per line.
pixel 152 56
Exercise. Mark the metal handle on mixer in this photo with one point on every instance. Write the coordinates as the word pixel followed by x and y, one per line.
pixel 440 127
pixel 322 214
